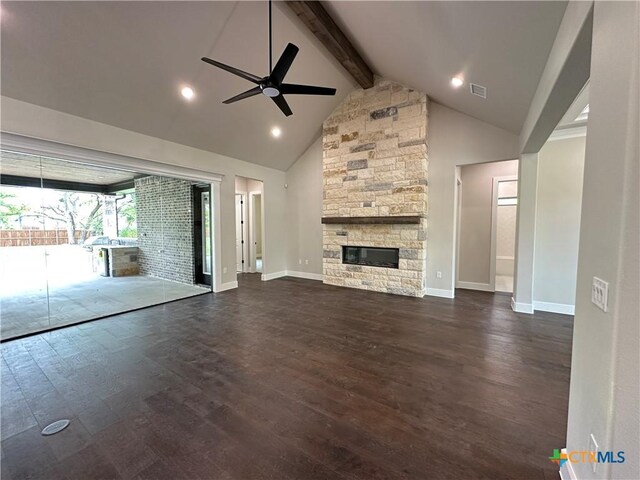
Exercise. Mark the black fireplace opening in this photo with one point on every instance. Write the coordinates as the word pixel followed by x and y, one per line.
pixel 371 256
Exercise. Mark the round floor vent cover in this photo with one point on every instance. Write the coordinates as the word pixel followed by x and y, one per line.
pixel 55 427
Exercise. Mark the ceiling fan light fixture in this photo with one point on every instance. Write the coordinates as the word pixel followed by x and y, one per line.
pixel 271 91
pixel 276 132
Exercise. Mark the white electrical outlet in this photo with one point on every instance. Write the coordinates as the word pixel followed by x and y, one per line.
pixel 593 447
pixel 438 274
pixel 306 262
pixel 299 261
pixel 600 293
pixel 224 270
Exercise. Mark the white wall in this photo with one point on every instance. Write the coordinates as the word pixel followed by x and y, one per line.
pixel 304 200
pixel 564 75
pixel 454 139
pixel 605 366
pixel 38 122
pixel 557 230
pixel 241 185
pixel 476 214
pixel 506 240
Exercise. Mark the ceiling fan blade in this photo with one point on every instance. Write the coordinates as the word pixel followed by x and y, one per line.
pixel 284 63
pixel 293 89
pixel 282 103
pixel 243 95
pixel 247 76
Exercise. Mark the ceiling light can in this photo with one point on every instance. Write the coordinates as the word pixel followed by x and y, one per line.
pixel 187 92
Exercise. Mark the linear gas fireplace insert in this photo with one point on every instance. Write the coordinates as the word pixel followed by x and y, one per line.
pixel 371 256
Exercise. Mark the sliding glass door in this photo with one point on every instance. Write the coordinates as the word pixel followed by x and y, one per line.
pixel 80 242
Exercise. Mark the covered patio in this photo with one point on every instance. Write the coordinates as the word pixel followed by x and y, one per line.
pixel 56 285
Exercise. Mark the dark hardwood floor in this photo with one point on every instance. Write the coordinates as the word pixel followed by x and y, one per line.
pixel 292 379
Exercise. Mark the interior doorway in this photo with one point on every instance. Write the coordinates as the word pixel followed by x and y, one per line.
pixel 202 231
pixel 256 232
pixel 240 232
pixel 249 225
pixel 477 218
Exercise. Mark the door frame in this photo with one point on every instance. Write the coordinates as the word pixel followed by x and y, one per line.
pixel 244 263
pixel 456 226
pixel 200 277
pixel 494 224
pixel 87 156
pixel 253 233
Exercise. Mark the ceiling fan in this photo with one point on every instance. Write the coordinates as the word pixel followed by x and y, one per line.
pixel 272 85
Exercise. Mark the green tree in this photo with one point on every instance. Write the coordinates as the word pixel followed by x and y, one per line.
pixel 78 211
pixel 9 210
pixel 127 216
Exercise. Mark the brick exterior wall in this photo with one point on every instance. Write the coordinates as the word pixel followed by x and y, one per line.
pixel 165 222
pixel 375 164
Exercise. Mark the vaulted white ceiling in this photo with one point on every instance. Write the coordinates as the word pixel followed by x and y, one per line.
pixel 123 63
pixel 501 45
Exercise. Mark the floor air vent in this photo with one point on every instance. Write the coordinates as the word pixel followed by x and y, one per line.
pixel 55 427
pixel 479 90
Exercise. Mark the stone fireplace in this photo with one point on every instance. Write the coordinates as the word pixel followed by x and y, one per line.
pixel 375 190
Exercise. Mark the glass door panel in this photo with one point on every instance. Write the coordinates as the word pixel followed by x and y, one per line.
pixel 206 233
pixel 24 293
pixel 202 243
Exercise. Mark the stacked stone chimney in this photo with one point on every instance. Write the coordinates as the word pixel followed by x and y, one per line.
pixel 375 165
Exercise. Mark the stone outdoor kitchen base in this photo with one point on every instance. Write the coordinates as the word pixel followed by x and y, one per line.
pixel 375 165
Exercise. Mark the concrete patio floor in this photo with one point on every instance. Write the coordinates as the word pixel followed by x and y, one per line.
pixel 38 292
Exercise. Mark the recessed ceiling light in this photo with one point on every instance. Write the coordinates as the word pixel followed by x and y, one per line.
pixel 276 132
pixel 187 92
pixel 456 82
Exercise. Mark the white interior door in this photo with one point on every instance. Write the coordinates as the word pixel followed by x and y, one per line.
pixel 257 232
pixel 239 233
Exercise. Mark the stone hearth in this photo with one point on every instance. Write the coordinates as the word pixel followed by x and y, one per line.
pixel 375 165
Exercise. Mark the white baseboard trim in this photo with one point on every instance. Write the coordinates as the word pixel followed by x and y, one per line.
pixel 554 307
pixel 271 276
pixel 227 286
pixel 566 471
pixel 439 292
pixel 521 307
pixel 483 287
pixel 308 276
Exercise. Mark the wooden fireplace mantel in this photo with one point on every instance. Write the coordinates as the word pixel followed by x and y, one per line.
pixel 389 220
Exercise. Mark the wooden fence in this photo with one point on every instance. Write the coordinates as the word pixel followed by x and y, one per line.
pixel 29 238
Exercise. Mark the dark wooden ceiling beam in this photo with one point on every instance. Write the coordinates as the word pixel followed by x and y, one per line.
pixel 316 18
